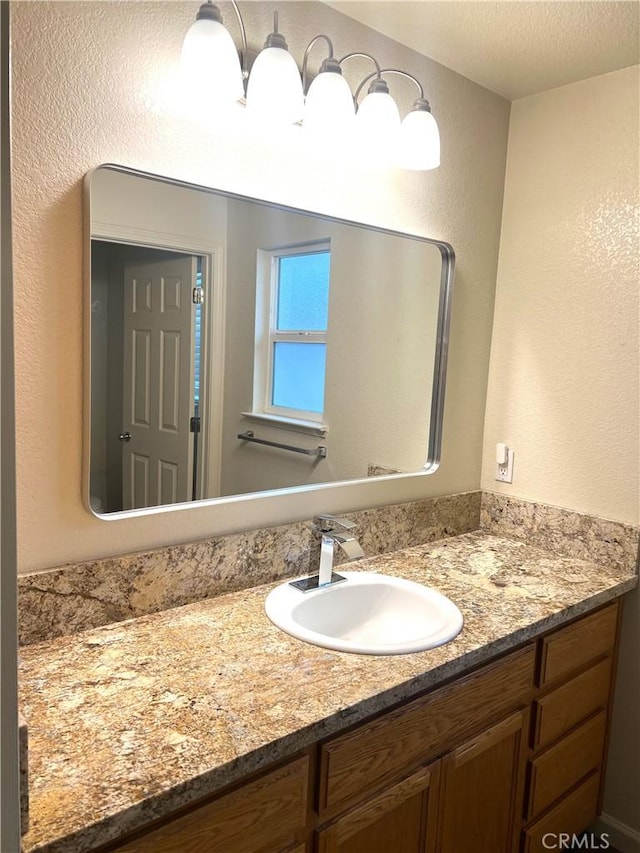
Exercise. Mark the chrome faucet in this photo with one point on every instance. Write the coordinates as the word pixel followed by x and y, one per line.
pixel 326 525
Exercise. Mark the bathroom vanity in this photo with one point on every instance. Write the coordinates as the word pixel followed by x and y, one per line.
pixel 206 727
pixel 514 748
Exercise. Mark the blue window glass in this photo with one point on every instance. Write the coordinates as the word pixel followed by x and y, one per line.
pixel 298 376
pixel 303 292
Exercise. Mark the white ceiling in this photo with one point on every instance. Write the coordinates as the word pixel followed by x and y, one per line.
pixel 513 47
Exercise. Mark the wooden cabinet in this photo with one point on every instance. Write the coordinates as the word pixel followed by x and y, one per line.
pixel 571 713
pixel 263 815
pixel 467 802
pixel 469 799
pixel 401 819
pixel 501 783
pixel 488 763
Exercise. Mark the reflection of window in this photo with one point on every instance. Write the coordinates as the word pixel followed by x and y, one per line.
pixel 291 337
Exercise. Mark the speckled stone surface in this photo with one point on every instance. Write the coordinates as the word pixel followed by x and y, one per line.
pixel 77 597
pixel 382 530
pixel 131 721
pixel 562 531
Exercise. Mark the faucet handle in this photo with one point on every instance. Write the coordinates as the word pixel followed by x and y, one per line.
pixel 326 523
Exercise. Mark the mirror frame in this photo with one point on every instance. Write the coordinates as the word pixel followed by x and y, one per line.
pixel 443 324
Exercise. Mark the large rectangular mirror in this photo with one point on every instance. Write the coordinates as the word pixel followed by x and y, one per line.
pixel 239 346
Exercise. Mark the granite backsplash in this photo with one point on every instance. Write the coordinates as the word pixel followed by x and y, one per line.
pixel 562 531
pixel 75 597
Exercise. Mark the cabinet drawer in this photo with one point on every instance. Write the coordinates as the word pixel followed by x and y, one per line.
pixel 261 815
pixel 572 815
pixel 563 708
pixel 562 766
pixel 566 650
pixel 376 753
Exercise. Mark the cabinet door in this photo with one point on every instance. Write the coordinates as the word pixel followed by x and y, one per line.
pixel 401 819
pixel 481 790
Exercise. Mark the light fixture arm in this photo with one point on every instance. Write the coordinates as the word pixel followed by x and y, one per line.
pixel 305 58
pixel 358 55
pixel 376 73
pixel 382 71
pixel 243 39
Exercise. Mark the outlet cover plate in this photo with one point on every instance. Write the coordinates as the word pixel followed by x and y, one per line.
pixel 504 473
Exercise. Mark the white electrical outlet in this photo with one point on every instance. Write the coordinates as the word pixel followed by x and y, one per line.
pixel 504 473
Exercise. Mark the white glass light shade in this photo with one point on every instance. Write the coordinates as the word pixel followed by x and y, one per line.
pixel 274 92
pixel 419 141
pixel 378 127
pixel 210 62
pixel 378 114
pixel 329 106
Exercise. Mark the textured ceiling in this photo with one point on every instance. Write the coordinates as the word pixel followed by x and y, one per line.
pixel 515 47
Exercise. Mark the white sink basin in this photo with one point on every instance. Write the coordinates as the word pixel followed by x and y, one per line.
pixel 368 613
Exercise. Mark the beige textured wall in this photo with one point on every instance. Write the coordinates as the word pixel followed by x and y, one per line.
pixel 565 364
pixel 86 91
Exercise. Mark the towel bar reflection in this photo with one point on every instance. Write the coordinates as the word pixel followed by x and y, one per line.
pixel 249 435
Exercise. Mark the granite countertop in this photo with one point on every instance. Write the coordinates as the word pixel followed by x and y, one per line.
pixel 131 721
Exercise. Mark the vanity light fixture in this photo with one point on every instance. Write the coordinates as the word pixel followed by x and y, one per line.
pixel 277 92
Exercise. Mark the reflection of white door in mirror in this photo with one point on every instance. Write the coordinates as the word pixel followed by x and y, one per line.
pixel 149 350
pixel 158 382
